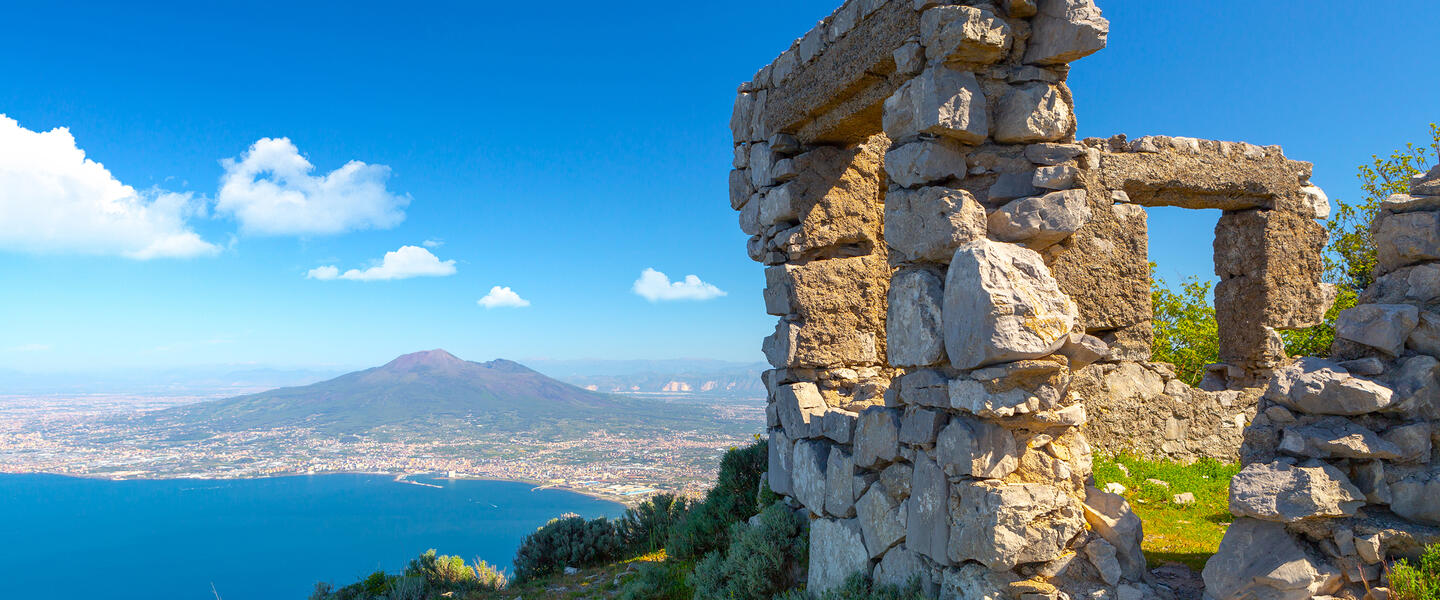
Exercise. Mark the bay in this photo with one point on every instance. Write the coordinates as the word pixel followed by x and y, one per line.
pixel 253 539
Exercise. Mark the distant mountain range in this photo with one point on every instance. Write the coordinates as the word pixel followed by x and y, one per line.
pixel 430 391
pixel 678 377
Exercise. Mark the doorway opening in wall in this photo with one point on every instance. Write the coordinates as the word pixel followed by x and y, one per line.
pixel 1179 492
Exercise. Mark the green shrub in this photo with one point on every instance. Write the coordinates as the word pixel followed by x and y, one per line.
pixel 733 499
pixel 761 560
pixel 647 527
pixel 1417 582
pixel 427 576
pixel 1185 330
pixel 658 581
pixel 858 587
pixel 567 542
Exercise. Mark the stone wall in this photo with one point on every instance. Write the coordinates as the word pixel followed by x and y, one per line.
pixel 963 296
pixel 1341 462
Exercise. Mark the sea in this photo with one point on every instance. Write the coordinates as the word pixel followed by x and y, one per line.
pixel 253 539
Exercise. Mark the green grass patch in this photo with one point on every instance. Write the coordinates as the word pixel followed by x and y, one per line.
pixel 1187 534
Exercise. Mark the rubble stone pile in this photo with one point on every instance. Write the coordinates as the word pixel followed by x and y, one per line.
pixel 963 293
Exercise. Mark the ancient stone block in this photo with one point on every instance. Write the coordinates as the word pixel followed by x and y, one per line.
pixel 1321 387
pixel 1336 437
pixel 837 196
pixel 1384 327
pixel 1001 304
pixel 964 34
pixel 1032 112
pixel 974 448
pixel 1002 525
pixel 940 101
pixel 1414 496
pixel 837 549
pixel 920 426
pixel 927 519
pixel 881 521
pixel 1406 238
pixel 1040 222
pixel 780 462
pixel 1110 516
pixel 877 437
pixel 1259 559
pixel 924 162
pixel 1286 493
pixel 1064 31
pixel 899 567
pixel 839 314
pixel 913 330
pixel 808 476
pixel 928 224
pixel 840 484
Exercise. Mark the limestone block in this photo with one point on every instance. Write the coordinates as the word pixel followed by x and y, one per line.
pixel 1009 186
pixel 877 437
pixel 837 550
pixel 1417 387
pixel 1082 350
pixel 1384 327
pixel 1064 31
pixel 969 447
pixel 1286 493
pixel 1318 386
pixel 925 161
pixel 1425 338
pixel 899 567
pixel 777 290
pixel 881 520
pixel 1001 304
pixel 1009 389
pixel 1259 559
pixel 1020 9
pixel 838 425
pixel 939 101
pixel 837 196
pixel 964 34
pixel 1032 112
pixel 1414 496
pixel 1002 525
pixel 927 519
pixel 761 160
pixel 1047 154
pixel 740 188
pixel 838 308
pixel 1101 555
pixel 780 463
pixel 1109 515
pixel 920 426
pixel 896 478
pixel 925 387
pixel 928 224
pixel 1040 222
pixel 1058 177
pixel 740 117
pixel 973 581
pixel 800 408
pixel 909 58
pixel 750 216
pixel 840 484
pixel 1406 238
pixel 1413 441
pixel 913 330
pixel 780 205
pixel 1316 199
pixel 1337 437
pixel 808 475
pixel 1105 270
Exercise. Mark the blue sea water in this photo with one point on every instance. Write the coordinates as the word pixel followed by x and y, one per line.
pixel 253 539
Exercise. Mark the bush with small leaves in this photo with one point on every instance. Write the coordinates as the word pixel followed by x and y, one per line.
pixel 658 581
pixel 762 559
pixel 733 499
pixel 646 527
pixel 1418 581
pixel 567 542
pixel 858 587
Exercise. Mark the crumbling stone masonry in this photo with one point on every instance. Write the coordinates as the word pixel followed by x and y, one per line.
pixel 964 302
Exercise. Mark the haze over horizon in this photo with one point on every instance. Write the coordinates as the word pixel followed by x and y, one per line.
pixel 286 196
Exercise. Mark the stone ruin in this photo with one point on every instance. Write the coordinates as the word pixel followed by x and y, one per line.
pixel 964 300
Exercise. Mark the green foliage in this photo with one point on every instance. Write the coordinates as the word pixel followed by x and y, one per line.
pixel 858 587
pixel 658 581
pixel 1186 334
pixel 1417 582
pixel 1350 257
pixel 426 577
pixel 647 527
pixel 1316 341
pixel 759 561
pixel 733 499
pixel 569 541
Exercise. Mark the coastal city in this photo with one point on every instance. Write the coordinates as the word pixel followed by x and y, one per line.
pixel 82 437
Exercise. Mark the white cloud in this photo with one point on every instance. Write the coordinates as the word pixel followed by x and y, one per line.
pixel 270 191
pixel 432 243
pixel 656 286
pixel 55 200
pixel 407 262
pixel 503 297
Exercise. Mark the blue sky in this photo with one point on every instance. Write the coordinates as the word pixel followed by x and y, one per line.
pixel 556 150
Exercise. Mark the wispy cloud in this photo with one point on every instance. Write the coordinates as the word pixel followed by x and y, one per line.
pixel 30 348
pixel 657 287
pixel 55 200
pixel 270 191
pixel 503 297
pixel 407 262
pixel 432 243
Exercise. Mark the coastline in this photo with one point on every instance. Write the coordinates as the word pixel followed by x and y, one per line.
pixel 400 477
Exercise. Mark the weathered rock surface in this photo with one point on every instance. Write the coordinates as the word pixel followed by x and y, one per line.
pixel 973 581
pixel 800 409
pixel 837 549
pixel 1321 387
pixel 927 516
pixel 1415 494
pixel 1384 327
pixel 1001 304
pixel 1260 560
pixel 928 224
pixel 1406 238
pixel 974 448
pixel 881 520
pixel 925 162
pixel 877 437
pixel 899 566
pixel 1002 525
pixel 913 329
pixel 840 484
pixel 1109 515
pixel 780 463
pixel 940 101
pixel 1338 438
pixel 1033 112
pixel 964 34
pixel 1066 30
pixel 1040 222
pixel 1285 493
